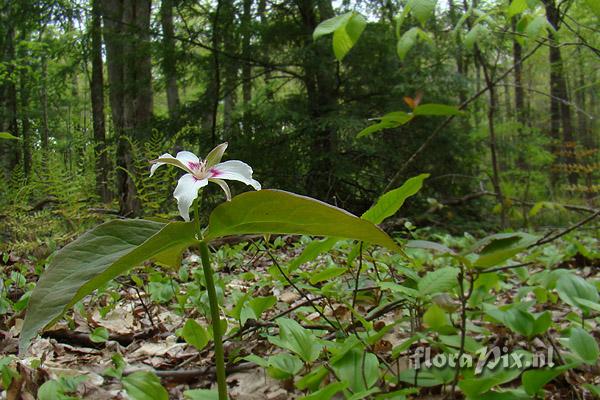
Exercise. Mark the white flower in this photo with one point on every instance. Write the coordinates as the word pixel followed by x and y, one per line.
pixel 200 172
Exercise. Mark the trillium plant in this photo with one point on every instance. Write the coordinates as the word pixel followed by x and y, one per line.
pixel 200 172
pixel 117 246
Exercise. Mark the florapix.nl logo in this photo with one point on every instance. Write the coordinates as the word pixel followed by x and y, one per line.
pixel 484 358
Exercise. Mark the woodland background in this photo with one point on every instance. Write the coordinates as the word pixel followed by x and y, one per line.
pixel 94 90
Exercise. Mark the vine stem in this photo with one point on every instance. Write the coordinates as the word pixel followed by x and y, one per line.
pixel 214 311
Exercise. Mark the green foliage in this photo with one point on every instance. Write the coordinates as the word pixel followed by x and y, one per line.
pixel 272 211
pixel 8 136
pixel 144 385
pixel 346 29
pixel 584 345
pixel 295 338
pixel 111 249
pixel 438 281
pixel 195 334
pixel 59 389
pixel 534 380
pixel 99 335
pixel 422 9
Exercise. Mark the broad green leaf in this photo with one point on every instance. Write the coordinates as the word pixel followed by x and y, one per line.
pixel 261 304
pixel 388 121
pixel 500 247
pixel 422 9
pixel 94 259
pixel 594 5
pixel 440 280
pixel 284 365
pixel 294 337
pixel 331 25
pixel 425 244
pixel 364 394
pixel 327 392
pixel 327 274
pixel 435 318
pixel 519 321
pixel 421 377
pixel 359 368
pixel 195 334
pixel 99 335
pixel 313 379
pixel 584 346
pixel 144 385
pixel 345 37
pixel 312 250
pixel 503 394
pixel 475 35
pixel 533 380
pixel 542 323
pixel 476 386
pixel 571 287
pixel 436 109
pixel 257 360
pixel 8 136
pixel 388 204
pixel 592 305
pixel 406 42
pixel 201 394
pixel 60 388
pixel 537 26
pixel 516 7
pixel 274 211
pixel 394 287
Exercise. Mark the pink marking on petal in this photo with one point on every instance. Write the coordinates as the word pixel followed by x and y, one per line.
pixel 194 166
pixel 214 172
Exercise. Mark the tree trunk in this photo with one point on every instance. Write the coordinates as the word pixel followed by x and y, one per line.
pixel 492 106
pixel 261 11
pixel 44 99
pixel 126 33
pixel 169 59
pixel 560 111
pixel 319 80
pixel 24 93
pixel 246 52
pixel 97 97
pixel 519 93
pixel 15 157
pixel 230 70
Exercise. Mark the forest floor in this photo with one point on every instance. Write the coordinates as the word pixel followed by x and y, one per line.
pixel 140 322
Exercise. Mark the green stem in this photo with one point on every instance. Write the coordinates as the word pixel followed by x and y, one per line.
pixel 214 313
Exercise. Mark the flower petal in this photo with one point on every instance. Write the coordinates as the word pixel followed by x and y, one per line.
pixel 189 159
pixel 215 155
pixel 162 160
pixel 234 170
pixel 224 186
pixel 186 192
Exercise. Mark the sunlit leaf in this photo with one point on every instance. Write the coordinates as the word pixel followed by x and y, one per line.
pixel 94 259
pixel 436 109
pixel 195 334
pixel 516 7
pixel 144 385
pixel 584 345
pixel 8 136
pixel 274 211
pixel 440 280
pixel 389 204
pixel 422 9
